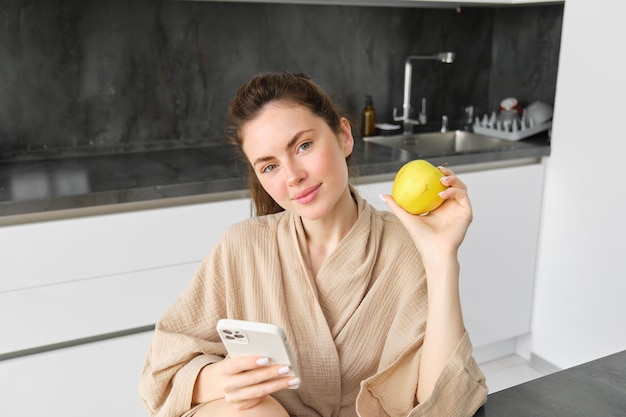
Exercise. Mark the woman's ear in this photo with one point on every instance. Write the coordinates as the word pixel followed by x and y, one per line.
pixel 346 135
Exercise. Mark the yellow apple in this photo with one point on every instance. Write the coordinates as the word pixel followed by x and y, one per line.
pixel 417 186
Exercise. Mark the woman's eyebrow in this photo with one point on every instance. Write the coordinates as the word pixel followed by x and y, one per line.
pixel 291 142
pixel 296 137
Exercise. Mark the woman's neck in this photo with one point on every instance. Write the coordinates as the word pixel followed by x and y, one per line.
pixel 323 235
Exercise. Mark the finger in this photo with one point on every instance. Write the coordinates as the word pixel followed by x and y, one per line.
pixel 445 170
pixel 255 392
pixel 261 389
pixel 233 366
pixel 458 194
pixel 254 377
pixel 410 221
pixel 453 181
pixel 394 207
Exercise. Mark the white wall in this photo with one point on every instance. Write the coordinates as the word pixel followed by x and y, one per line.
pixel 580 294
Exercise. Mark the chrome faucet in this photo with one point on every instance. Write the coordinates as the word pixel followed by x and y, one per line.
pixel 444 123
pixel 407 122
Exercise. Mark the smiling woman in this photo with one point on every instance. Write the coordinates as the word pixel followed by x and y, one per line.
pixel 290 94
pixel 296 157
pixel 324 265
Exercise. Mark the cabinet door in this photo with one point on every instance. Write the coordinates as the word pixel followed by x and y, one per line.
pixel 97 379
pixel 74 310
pixel 77 278
pixel 499 252
pixel 80 248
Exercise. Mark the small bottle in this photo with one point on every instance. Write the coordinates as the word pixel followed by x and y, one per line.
pixel 369 117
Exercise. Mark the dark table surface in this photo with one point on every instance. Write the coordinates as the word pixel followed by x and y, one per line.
pixel 593 389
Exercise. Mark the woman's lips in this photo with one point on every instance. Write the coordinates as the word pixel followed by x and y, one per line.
pixel 307 195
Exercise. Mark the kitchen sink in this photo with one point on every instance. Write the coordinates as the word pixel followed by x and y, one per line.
pixel 444 143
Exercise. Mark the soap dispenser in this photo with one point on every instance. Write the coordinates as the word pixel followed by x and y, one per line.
pixel 368 117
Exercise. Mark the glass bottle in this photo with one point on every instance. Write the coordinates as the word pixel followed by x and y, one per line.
pixel 368 117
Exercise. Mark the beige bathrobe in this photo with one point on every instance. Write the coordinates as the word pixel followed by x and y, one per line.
pixel 356 329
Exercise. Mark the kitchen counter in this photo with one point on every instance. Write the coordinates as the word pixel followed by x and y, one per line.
pixel 36 190
pixel 593 389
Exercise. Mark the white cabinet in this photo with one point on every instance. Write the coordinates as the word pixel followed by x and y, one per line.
pixel 81 277
pixel 74 283
pixel 71 249
pixel 499 252
pixel 50 314
pixel 97 379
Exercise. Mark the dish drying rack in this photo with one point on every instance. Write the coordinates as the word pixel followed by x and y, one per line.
pixel 509 129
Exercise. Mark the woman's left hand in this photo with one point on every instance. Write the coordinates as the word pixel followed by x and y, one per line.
pixel 444 228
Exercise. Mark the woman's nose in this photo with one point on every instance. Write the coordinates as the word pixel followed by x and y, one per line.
pixel 295 173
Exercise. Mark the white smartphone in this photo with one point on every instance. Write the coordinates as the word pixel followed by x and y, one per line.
pixel 249 338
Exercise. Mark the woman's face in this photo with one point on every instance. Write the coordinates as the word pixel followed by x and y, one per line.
pixel 298 159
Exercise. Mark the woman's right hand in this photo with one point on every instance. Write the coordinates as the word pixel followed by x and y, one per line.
pixel 242 382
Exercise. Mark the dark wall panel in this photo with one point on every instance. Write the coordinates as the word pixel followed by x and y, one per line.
pixel 84 76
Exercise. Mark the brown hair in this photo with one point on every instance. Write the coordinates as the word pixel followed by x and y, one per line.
pixel 269 87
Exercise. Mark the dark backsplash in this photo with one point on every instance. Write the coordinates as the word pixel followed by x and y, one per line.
pixel 81 77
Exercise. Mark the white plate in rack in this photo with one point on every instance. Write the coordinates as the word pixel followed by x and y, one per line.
pixel 387 126
pixel 520 134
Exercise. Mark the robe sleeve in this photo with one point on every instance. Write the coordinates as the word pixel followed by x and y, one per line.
pixel 184 342
pixel 459 391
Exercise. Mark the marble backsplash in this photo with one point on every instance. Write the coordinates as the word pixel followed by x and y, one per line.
pixel 82 77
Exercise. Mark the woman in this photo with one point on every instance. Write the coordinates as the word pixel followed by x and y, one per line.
pixel 369 300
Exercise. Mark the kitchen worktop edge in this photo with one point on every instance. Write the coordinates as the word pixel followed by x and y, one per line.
pixel 160 178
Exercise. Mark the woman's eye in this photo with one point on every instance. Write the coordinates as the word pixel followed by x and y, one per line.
pixel 268 168
pixel 304 146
